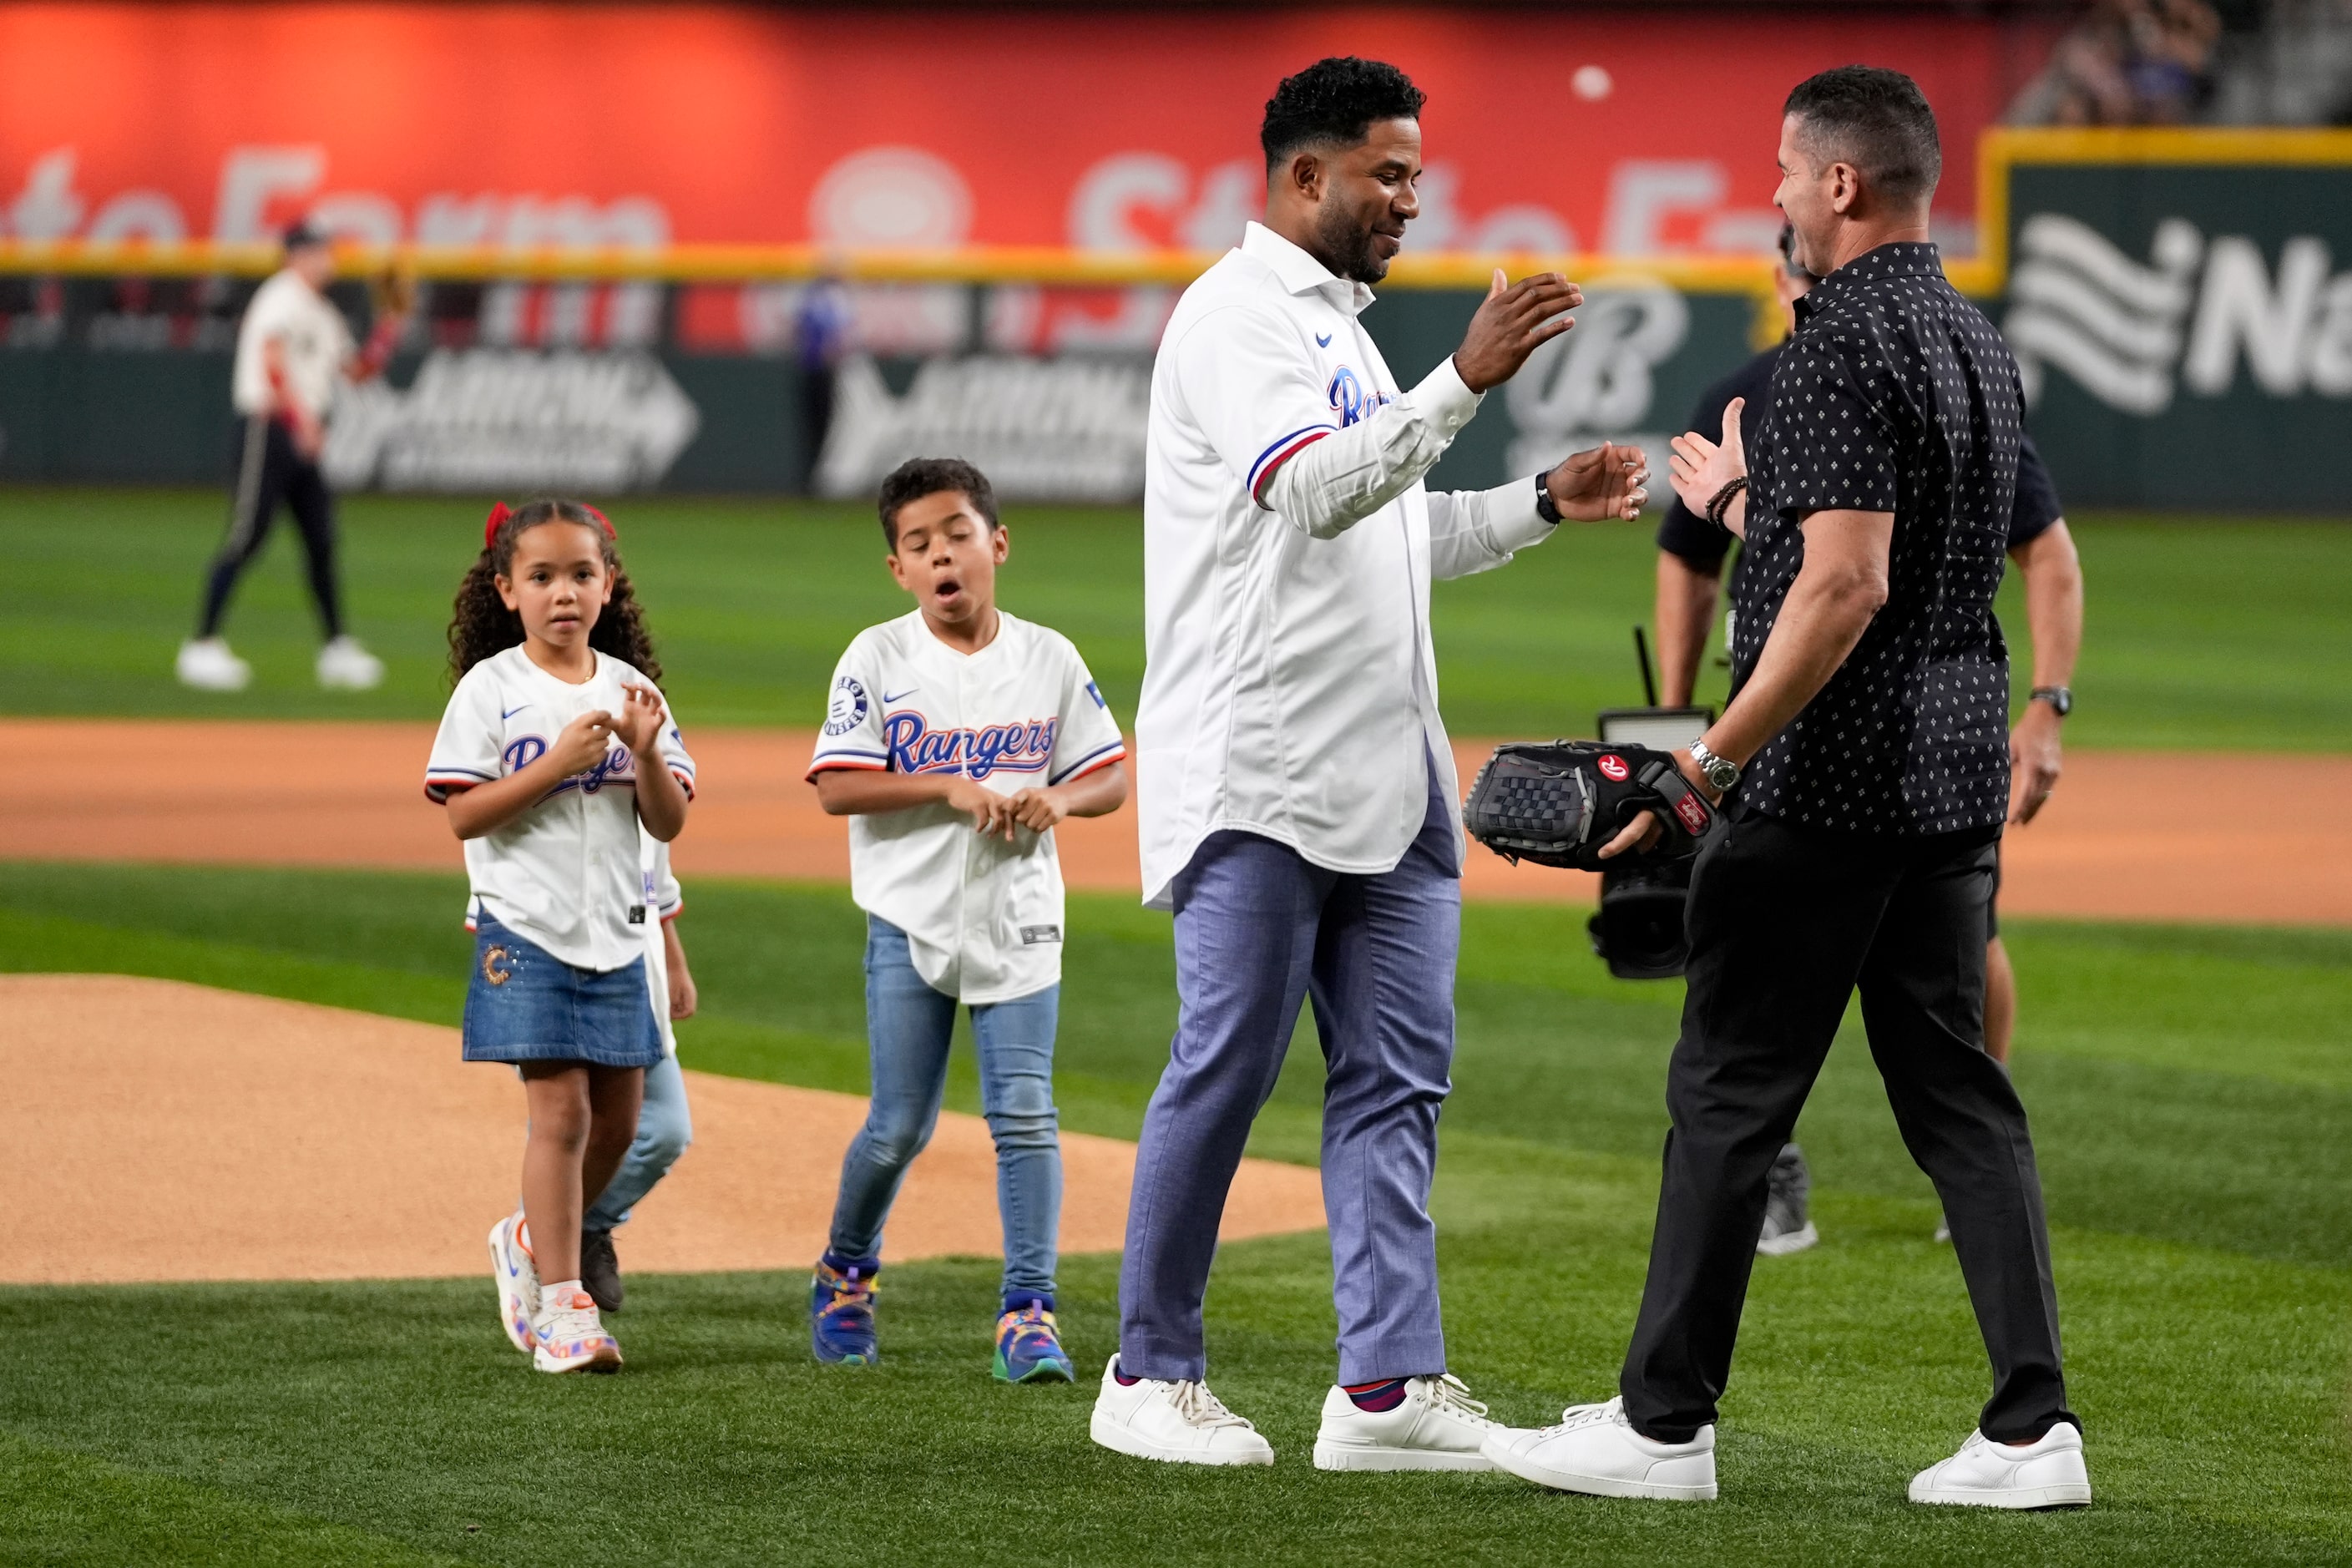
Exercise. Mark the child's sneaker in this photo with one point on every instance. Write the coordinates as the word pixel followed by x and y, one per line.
pixel 1029 1347
pixel 517 1272
pixel 568 1336
pixel 841 1316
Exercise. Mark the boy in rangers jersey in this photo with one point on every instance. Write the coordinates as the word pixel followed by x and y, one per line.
pixel 293 351
pixel 955 738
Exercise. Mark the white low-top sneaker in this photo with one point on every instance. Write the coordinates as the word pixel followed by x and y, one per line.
pixel 1436 1427
pixel 206 663
pixel 1986 1474
pixel 1181 1422
pixel 345 666
pixel 517 1273
pixel 1595 1449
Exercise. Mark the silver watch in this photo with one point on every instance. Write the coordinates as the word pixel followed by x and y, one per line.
pixel 1721 774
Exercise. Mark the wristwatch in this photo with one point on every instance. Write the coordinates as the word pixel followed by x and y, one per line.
pixel 1721 773
pixel 2061 700
pixel 1545 508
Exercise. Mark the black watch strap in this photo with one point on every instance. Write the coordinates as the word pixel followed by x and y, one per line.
pixel 2061 699
pixel 1544 507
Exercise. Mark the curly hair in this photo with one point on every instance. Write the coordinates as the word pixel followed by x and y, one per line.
pixel 1334 102
pixel 483 626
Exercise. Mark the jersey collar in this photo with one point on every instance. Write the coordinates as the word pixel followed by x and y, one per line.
pixel 1301 273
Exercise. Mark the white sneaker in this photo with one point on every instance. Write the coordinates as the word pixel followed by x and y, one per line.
pixel 1181 1422
pixel 345 666
pixel 1595 1449
pixel 1986 1474
pixel 1943 1229
pixel 206 663
pixel 568 1335
pixel 517 1272
pixel 1437 1426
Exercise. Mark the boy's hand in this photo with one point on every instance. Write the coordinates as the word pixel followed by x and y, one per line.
pixel 991 814
pixel 1039 809
pixel 583 744
pixel 638 725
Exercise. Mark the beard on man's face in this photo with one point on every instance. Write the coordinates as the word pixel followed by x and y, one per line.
pixel 1347 239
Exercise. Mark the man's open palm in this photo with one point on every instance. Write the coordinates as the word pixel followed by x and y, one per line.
pixel 1608 481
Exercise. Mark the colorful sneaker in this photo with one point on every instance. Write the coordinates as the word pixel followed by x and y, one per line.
pixel 568 1336
pixel 517 1273
pixel 1029 1348
pixel 841 1317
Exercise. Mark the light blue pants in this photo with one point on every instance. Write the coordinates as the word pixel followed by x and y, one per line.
pixel 1258 929
pixel 907 1026
pixel 663 1130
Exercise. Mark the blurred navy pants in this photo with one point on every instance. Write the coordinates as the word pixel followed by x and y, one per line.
pixel 1257 929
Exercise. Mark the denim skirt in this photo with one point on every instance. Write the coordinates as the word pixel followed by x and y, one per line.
pixel 525 1004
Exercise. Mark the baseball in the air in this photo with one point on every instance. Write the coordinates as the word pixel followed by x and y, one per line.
pixel 1591 83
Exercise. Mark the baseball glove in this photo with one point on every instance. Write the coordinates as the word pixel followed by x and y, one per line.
pixel 393 292
pixel 1558 802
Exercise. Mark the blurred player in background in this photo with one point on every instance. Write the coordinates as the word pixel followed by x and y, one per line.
pixel 1691 553
pixel 293 351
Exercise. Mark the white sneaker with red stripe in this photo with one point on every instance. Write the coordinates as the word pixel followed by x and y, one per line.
pixel 568 1335
pixel 517 1273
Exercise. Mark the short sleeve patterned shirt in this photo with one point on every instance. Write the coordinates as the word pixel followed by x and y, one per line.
pixel 1895 394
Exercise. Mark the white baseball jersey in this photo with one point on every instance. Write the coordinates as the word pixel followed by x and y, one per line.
pixel 982 917
pixel 1290 688
pixel 567 873
pixel 664 899
pixel 313 340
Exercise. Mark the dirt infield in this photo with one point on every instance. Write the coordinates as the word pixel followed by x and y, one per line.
pixel 157 1131
pixel 2129 835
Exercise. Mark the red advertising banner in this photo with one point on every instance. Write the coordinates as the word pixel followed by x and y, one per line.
pixel 1570 130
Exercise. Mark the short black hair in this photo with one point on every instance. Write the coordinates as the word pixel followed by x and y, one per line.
pixel 1334 102
pixel 1876 120
pixel 918 477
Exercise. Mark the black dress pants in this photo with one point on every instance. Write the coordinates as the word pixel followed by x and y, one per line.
pixel 1784 924
pixel 271 473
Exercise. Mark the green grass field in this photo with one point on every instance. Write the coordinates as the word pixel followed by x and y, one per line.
pixel 2202 634
pixel 2190 1089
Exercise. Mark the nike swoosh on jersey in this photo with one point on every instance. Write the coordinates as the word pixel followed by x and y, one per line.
pixel 887 697
pixel 511 712
pixel 1322 340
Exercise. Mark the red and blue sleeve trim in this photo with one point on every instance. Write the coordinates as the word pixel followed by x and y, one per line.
pixel 1093 761
pixel 1281 452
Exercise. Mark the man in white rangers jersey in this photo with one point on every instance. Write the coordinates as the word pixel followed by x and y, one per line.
pixel 1296 796
pixel 955 738
pixel 293 351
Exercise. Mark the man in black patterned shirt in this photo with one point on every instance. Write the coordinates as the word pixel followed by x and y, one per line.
pixel 1865 757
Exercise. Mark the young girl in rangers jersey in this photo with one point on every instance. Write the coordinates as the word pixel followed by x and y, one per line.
pixel 555 747
pixel 955 738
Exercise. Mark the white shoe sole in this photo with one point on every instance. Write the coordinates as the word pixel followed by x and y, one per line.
pixel 1125 1440
pixel 1598 1486
pixel 1331 1456
pixel 1795 1241
pixel 2064 1494
pixel 608 1360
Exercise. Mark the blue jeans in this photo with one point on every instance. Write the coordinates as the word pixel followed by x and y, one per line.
pixel 663 1130
pixel 908 1026
pixel 1257 930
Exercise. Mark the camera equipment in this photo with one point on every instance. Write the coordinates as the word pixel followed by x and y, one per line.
pixel 1638 930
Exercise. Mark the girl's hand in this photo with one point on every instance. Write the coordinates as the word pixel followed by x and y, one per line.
pixel 583 744
pixel 991 814
pixel 1039 809
pixel 638 725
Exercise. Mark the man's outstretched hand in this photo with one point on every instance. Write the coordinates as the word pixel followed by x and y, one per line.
pixel 1698 469
pixel 1607 482
pixel 1512 323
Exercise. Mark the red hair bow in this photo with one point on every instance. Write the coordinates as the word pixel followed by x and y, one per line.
pixel 499 515
pixel 602 522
